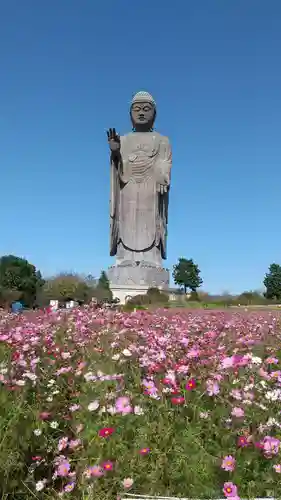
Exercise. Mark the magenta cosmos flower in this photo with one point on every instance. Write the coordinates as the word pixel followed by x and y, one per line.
pixel 230 490
pixel 144 451
pixel 191 384
pixel 242 441
pixel 177 400
pixel 107 465
pixel 228 464
pixel 106 432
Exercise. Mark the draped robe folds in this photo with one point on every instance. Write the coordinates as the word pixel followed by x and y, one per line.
pixel 138 210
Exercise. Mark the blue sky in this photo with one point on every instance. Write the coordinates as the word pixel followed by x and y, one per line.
pixel 68 71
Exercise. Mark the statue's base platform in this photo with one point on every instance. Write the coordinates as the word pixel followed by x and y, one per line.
pixel 125 293
pixel 129 280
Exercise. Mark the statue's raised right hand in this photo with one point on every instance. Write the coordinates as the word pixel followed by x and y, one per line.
pixel 113 141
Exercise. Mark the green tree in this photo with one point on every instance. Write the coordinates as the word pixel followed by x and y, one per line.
pixel 67 286
pixel 272 282
pixel 187 274
pixel 248 298
pixel 102 291
pixel 20 279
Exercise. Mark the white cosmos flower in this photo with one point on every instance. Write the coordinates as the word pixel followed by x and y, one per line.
pixel 37 432
pixel 30 375
pixel 127 353
pixel 274 395
pixel 256 360
pixel 112 410
pixel 248 387
pixel 93 405
pixel 89 376
pixel 54 424
pixel 40 485
pixel 272 421
pixel 115 357
pixel 138 410
pixel 20 382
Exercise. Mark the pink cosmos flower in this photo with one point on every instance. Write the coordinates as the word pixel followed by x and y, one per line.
pixel 264 374
pixel 230 489
pixel 228 464
pixel 123 405
pixel 212 387
pixel 63 468
pixel 272 361
pixel 271 446
pixel 94 471
pixel 238 412
pixel 150 387
pixel 193 353
pixel 74 408
pixel 74 443
pixel 177 400
pixel 69 487
pixel 236 394
pixel 44 415
pixel 63 442
pixel 227 362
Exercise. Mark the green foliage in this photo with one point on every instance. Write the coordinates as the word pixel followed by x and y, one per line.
pixel 19 280
pixel 251 298
pixel 187 274
pixel 156 296
pixel 65 287
pixel 272 282
pixel 194 296
pixel 153 297
pixel 102 291
pixel 103 281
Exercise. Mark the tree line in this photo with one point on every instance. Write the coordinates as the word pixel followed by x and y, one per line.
pixel 186 274
pixel 21 281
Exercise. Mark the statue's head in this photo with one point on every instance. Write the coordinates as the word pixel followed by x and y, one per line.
pixel 143 112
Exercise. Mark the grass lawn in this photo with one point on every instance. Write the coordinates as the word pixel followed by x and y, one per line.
pixel 94 404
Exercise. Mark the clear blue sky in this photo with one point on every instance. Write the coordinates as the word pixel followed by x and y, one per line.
pixel 68 69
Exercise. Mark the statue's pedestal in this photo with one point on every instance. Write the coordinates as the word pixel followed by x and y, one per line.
pixel 131 279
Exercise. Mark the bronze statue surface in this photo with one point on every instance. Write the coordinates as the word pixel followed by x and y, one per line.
pixel 140 181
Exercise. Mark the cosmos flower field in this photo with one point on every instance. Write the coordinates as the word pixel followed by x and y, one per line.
pixel 98 403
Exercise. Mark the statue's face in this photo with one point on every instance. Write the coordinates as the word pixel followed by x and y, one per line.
pixel 142 114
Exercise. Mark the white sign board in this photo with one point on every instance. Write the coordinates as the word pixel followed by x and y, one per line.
pixel 71 304
pixel 54 305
